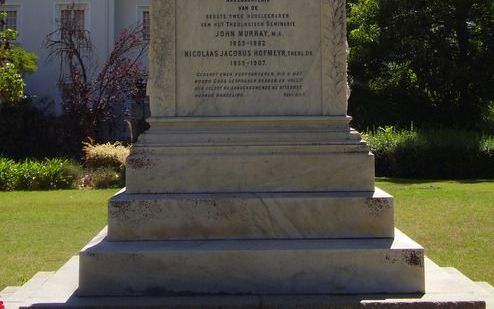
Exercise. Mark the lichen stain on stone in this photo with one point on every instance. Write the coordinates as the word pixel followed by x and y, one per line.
pixel 147 209
pixel 137 163
pixel 123 204
pixel 120 209
pixel 376 206
pixel 390 259
pixel 413 258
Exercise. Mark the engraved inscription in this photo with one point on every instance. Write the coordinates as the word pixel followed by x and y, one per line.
pixel 248 57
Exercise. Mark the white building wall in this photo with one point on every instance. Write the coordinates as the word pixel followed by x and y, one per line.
pixel 37 18
pixel 128 13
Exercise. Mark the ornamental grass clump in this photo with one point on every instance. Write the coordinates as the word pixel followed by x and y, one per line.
pixel 106 165
pixel 109 155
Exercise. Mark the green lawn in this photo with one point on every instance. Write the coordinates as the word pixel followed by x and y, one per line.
pixel 39 231
pixel 452 220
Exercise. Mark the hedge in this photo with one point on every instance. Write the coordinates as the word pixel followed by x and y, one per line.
pixel 432 153
pixel 38 175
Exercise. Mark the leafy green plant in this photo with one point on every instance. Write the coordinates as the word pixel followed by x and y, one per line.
pixel 14 62
pixel 11 83
pixel 8 176
pixel 48 174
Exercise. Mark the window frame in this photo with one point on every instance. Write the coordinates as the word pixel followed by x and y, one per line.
pixel 15 7
pixel 61 5
pixel 140 10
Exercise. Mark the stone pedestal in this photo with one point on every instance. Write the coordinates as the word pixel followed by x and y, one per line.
pixel 250 154
pixel 321 215
pixel 446 288
pixel 252 267
pixel 250 180
pixel 279 206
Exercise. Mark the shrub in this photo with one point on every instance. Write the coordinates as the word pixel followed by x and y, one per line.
pixel 8 176
pixel 432 153
pixel 38 175
pixel 103 178
pixel 25 132
pixel 14 62
pixel 109 155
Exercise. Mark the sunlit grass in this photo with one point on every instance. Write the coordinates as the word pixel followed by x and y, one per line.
pixel 453 220
pixel 40 231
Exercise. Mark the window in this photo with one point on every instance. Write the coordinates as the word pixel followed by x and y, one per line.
pixel 144 18
pixel 146 32
pixel 72 20
pixel 12 19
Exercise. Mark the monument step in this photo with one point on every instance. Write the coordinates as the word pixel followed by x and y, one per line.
pixel 242 134
pixel 250 216
pixel 444 293
pixel 59 284
pixel 34 283
pixel 246 267
pixel 52 286
pixel 8 292
pixel 487 293
pixel 487 287
pixel 252 123
pixel 267 168
pixel 458 274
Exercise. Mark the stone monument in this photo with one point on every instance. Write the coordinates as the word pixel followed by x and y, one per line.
pixel 250 190
pixel 250 180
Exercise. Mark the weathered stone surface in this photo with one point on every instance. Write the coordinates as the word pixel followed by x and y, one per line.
pixel 318 168
pixel 242 131
pixel 305 45
pixel 32 284
pixel 444 290
pixel 251 216
pixel 250 155
pixel 201 50
pixel 161 83
pixel 251 267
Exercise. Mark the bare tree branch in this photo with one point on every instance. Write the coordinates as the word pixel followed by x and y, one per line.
pixel 96 102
